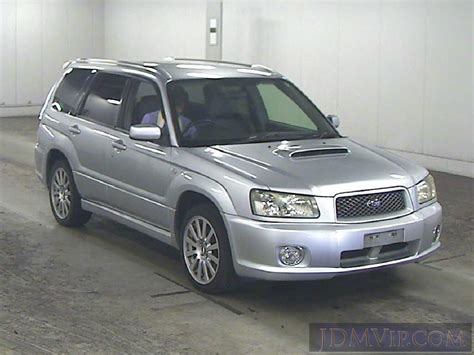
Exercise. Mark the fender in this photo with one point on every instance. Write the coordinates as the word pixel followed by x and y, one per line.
pixel 54 139
pixel 195 182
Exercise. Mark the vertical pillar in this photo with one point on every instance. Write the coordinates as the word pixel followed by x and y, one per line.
pixel 214 30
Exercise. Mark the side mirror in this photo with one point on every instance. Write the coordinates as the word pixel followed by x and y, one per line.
pixel 145 132
pixel 334 120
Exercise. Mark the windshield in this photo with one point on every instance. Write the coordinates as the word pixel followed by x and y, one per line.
pixel 243 110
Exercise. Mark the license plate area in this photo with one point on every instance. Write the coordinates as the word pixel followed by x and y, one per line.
pixel 383 238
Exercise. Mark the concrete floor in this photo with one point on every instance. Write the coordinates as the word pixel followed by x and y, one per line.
pixel 107 288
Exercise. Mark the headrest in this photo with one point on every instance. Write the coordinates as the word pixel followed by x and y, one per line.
pixel 148 104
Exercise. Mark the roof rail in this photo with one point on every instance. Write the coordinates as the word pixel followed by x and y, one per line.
pixel 260 66
pixel 136 65
pixel 68 63
pixel 209 61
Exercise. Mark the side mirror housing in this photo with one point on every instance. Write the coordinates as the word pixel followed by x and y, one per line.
pixel 334 120
pixel 145 132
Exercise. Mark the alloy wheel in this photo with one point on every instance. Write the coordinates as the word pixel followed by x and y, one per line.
pixel 61 193
pixel 201 250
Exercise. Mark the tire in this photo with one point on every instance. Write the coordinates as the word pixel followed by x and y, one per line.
pixel 214 254
pixel 64 198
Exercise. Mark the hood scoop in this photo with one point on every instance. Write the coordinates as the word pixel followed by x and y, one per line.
pixel 320 151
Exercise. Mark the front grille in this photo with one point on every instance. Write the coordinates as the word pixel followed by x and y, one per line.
pixel 368 205
pixel 389 248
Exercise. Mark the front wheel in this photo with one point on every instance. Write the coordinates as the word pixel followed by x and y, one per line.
pixel 64 198
pixel 205 250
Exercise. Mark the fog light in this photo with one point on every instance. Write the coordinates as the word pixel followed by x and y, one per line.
pixel 436 233
pixel 291 255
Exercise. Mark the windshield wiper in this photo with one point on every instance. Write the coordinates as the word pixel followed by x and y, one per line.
pixel 280 135
pixel 291 136
pixel 275 136
pixel 326 135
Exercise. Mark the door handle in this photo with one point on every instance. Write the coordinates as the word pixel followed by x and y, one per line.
pixel 119 145
pixel 74 129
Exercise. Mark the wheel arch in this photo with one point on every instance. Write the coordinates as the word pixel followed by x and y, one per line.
pixel 54 154
pixel 187 200
pixel 191 198
pixel 189 188
pixel 59 147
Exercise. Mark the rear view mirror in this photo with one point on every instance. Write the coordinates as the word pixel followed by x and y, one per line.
pixel 145 132
pixel 334 120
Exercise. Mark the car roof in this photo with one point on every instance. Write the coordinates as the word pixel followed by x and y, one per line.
pixel 182 68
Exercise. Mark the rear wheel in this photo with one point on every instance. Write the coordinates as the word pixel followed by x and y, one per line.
pixel 205 250
pixel 64 198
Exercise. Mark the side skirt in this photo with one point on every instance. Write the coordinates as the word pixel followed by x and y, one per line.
pixel 152 230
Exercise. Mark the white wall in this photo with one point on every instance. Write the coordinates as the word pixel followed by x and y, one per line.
pixel 398 73
pixel 154 29
pixel 36 38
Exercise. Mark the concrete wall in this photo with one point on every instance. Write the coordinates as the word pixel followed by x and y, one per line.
pixel 36 38
pixel 398 73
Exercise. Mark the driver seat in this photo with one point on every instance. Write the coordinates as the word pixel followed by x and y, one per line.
pixel 147 104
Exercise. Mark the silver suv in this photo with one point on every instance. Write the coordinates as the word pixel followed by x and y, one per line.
pixel 233 165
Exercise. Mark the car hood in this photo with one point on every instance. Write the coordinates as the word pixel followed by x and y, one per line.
pixel 318 167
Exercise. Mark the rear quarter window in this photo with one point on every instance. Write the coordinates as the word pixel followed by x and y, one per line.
pixel 68 94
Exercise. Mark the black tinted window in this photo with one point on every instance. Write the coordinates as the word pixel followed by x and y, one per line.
pixel 105 98
pixel 66 97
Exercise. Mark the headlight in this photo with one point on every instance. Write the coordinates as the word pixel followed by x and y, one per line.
pixel 426 190
pixel 276 204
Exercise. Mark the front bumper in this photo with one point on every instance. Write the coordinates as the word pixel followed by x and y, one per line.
pixel 255 245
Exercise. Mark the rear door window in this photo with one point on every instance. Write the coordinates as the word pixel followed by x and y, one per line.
pixel 104 100
pixel 68 94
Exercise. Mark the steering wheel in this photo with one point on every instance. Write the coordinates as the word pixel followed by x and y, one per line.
pixel 198 124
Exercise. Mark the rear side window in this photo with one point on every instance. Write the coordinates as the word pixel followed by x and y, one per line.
pixel 104 99
pixel 69 91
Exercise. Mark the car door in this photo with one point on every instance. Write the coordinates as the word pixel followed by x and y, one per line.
pixel 63 117
pixel 93 133
pixel 141 169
